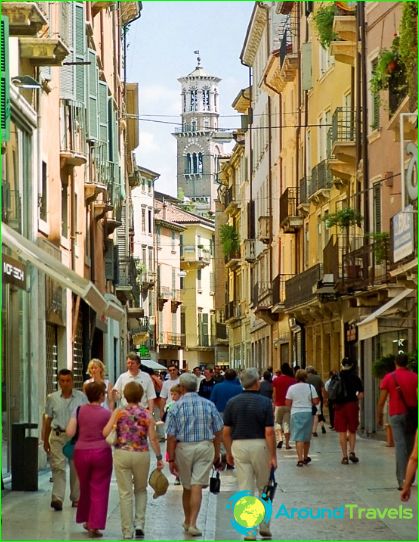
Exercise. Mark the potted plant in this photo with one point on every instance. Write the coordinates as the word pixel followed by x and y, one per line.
pixel 380 242
pixel 323 19
pixel 389 69
pixel 343 219
pixel 408 48
pixel 229 239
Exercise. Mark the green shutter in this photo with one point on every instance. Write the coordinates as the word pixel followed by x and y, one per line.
pixel 66 34
pixel 93 80
pixel 103 113
pixel 5 81
pixel 306 79
pixel 80 53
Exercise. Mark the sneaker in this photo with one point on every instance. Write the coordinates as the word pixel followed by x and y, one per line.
pixel 185 526
pixel 57 505
pixel 194 531
pixel 139 533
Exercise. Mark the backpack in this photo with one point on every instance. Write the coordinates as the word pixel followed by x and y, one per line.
pixel 337 391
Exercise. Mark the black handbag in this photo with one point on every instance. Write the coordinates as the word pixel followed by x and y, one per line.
pixel 313 407
pixel 215 482
pixel 269 490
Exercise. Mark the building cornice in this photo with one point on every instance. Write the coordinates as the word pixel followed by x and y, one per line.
pixel 254 33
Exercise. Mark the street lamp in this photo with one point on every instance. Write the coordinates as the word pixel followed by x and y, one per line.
pixel 26 82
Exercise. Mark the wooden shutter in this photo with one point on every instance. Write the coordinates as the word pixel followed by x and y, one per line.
pixel 92 83
pixel 5 81
pixel 67 35
pixel 109 260
pixel 80 53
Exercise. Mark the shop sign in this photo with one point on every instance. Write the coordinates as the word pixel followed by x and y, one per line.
pixel 144 352
pixel 403 234
pixel 14 272
pixel 351 333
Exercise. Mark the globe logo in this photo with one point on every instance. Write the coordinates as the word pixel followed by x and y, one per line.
pixel 248 512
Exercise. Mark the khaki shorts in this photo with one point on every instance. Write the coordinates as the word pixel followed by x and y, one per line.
pixel 282 417
pixel 194 461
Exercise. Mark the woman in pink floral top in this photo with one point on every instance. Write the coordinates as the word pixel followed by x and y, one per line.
pixel 134 426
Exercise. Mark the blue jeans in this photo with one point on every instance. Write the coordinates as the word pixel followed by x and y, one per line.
pixel 403 441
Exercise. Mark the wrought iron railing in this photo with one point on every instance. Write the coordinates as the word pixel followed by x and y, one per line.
pixel 288 203
pixel 343 125
pixel 320 178
pixel 278 288
pixel 299 289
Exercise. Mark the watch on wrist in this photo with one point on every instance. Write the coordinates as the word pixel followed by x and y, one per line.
pixel 159 457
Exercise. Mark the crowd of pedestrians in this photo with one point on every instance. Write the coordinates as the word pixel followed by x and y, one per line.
pixel 211 420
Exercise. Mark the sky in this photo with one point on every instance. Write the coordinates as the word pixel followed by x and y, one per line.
pixel 161 47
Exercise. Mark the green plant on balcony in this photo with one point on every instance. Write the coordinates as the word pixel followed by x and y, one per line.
pixel 389 70
pixel 381 240
pixel 408 46
pixel 343 219
pixel 229 239
pixel 323 19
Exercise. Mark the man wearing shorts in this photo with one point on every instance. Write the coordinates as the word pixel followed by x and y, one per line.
pixel 194 429
pixel 347 411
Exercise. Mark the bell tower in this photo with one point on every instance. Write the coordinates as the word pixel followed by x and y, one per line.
pixel 198 141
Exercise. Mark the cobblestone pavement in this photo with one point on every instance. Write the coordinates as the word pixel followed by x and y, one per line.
pixel 324 483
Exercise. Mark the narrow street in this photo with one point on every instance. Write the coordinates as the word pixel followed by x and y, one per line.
pixel 324 483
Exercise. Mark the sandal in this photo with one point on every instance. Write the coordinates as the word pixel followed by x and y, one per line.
pixel 300 464
pixel 345 461
pixel 353 457
pixel 307 460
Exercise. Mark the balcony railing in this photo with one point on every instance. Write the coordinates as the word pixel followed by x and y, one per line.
pixel 368 265
pixel 343 126
pixel 232 310
pixel 164 292
pixel 278 288
pixel 11 211
pixel 304 182
pixel 167 339
pixel 300 288
pixel 262 294
pixel 321 178
pixel 191 254
pixel 221 331
pixel 73 134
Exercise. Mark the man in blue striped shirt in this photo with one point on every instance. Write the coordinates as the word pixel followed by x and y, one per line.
pixel 194 429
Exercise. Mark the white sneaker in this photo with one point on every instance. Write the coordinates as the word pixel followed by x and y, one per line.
pixel 194 531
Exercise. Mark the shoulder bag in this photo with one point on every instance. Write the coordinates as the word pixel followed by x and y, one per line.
pixel 68 448
pixel 412 412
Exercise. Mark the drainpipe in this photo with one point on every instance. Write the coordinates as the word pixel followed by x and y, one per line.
pixel 358 133
pixel 364 97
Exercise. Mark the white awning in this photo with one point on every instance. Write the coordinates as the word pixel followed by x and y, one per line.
pixel 369 326
pixel 114 309
pixel 153 365
pixel 30 252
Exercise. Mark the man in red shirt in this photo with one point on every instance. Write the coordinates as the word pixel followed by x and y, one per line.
pixel 282 412
pixel 400 387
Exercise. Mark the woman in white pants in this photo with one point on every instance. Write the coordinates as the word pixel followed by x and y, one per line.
pixel 134 425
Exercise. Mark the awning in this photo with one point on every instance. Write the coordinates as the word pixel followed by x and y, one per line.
pixel 369 326
pixel 114 309
pixel 153 365
pixel 30 252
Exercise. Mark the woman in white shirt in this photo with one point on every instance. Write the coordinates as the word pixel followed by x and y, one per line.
pixel 96 370
pixel 301 397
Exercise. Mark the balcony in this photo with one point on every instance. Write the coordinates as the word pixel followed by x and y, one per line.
pixel 175 300
pixel 230 202
pixel 278 292
pixel 141 331
pixel 43 51
pixel 147 280
pixel 98 6
pixel 192 257
pixel 168 340
pixel 25 18
pixel 321 183
pixel 124 285
pixel 250 250
pixel 291 221
pixel 344 50
pixel 366 266
pixel 341 143
pixel 288 59
pixel 232 260
pixel 221 335
pixel 73 151
pixel 303 203
pixel 301 288
pixel 265 229
pixel 262 301
pixel 232 311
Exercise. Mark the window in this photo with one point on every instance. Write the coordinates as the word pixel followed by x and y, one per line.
pixel 143 228
pixel 377 207
pixel 64 207
pixel 200 163
pixel 193 126
pixel 44 191
pixel 194 100
pixel 150 221
pixel 199 280
pixel 150 259
pixel 173 241
pixel 184 100
pixel 206 99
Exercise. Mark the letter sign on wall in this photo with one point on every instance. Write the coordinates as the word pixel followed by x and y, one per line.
pixel 14 272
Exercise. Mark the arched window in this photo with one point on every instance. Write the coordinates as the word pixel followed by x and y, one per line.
pixel 194 163
pixel 188 163
pixel 194 100
pixel 193 126
pixel 200 163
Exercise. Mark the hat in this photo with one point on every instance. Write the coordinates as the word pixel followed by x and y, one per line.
pixel 346 364
pixel 158 482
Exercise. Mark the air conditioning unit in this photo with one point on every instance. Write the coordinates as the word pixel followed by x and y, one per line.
pixel 250 250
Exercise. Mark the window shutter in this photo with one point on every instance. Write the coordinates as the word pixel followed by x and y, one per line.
pixel 103 114
pixel 66 33
pixel 109 260
pixel 93 80
pixel 5 81
pixel 80 53
pixel 307 79
pixel 377 207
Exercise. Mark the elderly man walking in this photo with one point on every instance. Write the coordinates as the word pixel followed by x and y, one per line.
pixel 59 407
pixel 194 429
pixel 249 437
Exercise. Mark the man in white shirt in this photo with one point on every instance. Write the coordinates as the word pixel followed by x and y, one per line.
pixel 168 385
pixel 134 374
